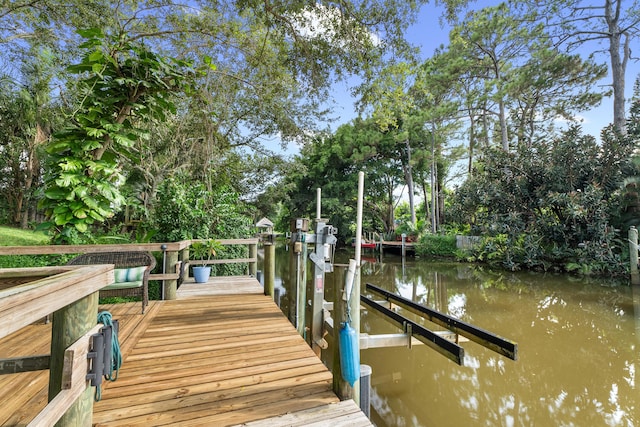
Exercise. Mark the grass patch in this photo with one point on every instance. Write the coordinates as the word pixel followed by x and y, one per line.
pixel 10 236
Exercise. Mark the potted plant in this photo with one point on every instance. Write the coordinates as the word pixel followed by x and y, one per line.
pixel 204 250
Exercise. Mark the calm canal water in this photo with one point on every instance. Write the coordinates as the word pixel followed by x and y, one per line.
pixel 578 343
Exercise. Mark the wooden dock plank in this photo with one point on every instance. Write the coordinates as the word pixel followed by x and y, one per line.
pixel 217 356
pixel 220 286
pixel 345 413
pixel 149 372
pixel 247 356
pixel 174 379
pixel 25 394
pixel 277 404
pixel 187 399
pixel 20 391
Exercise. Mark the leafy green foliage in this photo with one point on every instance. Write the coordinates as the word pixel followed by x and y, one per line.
pixel 181 211
pixel 27 115
pixel 229 252
pixel 22 261
pixel 434 245
pixel 205 250
pixel 121 84
pixel 187 210
pixel 553 205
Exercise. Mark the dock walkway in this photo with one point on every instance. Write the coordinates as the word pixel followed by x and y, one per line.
pixel 221 354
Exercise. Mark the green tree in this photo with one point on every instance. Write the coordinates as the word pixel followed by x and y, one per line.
pixel 332 163
pixel 438 118
pixel 550 204
pixel 613 24
pixel 275 63
pixel 186 209
pixel 392 103
pixel 524 82
pixel 25 125
pixel 121 84
pixel 323 163
pixel 607 28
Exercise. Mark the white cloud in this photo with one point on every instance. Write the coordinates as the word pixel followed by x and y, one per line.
pixel 321 22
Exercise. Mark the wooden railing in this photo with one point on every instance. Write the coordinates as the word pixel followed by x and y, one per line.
pixel 175 257
pixel 72 294
pixel 251 261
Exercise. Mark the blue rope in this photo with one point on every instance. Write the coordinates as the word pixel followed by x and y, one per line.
pixel 106 319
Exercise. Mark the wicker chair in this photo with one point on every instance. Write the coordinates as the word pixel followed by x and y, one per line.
pixel 122 260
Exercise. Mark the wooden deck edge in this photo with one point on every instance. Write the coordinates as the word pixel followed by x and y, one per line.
pixel 345 413
pixel 220 285
pixel 141 327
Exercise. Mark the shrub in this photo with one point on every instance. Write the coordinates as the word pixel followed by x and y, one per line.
pixel 550 204
pixel 434 245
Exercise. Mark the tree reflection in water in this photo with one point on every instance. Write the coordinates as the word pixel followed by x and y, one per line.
pixel 578 348
pixel 578 351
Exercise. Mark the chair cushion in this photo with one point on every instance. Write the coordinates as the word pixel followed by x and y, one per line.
pixel 132 274
pixel 120 274
pixel 124 285
pixel 126 278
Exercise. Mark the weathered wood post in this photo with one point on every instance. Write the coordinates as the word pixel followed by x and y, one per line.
pixel 171 285
pixel 299 228
pixel 340 386
pixel 291 295
pixel 164 268
pixel 253 254
pixel 633 255
pixel 70 324
pixel 184 258
pixel 269 267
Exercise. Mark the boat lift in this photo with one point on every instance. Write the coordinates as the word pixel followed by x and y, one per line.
pixel 451 350
pixel 446 343
pixel 321 321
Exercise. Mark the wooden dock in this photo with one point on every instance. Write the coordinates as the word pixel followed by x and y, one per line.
pixel 396 246
pixel 221 354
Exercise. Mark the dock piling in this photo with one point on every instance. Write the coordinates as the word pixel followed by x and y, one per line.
pixel 269 268
pixel 69 324
pixel 633 255
pixel 253 254
pixel 340 386
pixel 365 390
pixel 171 285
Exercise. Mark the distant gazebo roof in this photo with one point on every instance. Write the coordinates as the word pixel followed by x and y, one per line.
pixel 264 223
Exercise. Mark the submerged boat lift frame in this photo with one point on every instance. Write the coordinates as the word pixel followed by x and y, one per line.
pixel 481 336
pixel 443 346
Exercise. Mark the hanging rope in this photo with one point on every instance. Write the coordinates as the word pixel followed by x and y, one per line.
pixel 349 288
pixel 349 305
pixel 106 319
